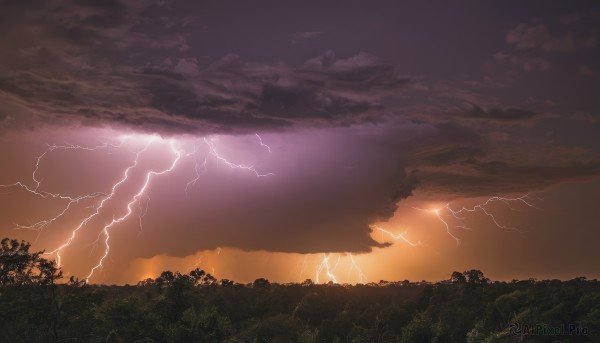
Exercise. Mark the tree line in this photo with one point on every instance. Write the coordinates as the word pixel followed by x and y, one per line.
pixel 197 307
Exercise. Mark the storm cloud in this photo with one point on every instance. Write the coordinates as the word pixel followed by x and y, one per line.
pixel 362 105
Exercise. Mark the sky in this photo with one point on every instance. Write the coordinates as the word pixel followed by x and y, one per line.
pixel 343 141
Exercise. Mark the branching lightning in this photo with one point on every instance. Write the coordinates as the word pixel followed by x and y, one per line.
pixel 460 215
pixel 482 207
pixel 438 214
pixel 399 236
pixel 140 198
pixel 35 190
pixel 98 208
pixel 325 265
pixel 136 197
pixel 215 154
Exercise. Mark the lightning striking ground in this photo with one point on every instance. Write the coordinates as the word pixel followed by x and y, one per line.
pixel 325 266
pixel 362 278
pixel 135 199
pixel 98 208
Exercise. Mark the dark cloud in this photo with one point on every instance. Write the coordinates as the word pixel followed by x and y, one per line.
pixel 578 17
pixel 301 37
pixel 537 36
pixel 227 95
pixel 83 64
pixel 505 114
pixel 363 69
pixel 478 178
pixel 524 62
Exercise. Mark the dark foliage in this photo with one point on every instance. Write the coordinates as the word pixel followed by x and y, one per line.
pixel 195 307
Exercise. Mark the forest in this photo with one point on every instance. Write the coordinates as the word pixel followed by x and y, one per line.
pixel 38 305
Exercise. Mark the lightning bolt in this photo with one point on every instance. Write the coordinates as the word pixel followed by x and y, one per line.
pixel 325 266
pixel 303 264
pixel 438 213
pixel 219 157
pixel 99 207
pixel 263 144
pixel 399 236
pixel 362 278
pixel 461 214
pixel 199 169
pixel 135 199
pixel 36 191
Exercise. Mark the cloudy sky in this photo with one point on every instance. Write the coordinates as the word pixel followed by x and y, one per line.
pixel 336 141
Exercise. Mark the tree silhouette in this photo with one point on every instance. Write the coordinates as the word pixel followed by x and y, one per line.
pixel 260 282
pixel 475 276
pixel 16 263
pixel 18 266
pixel 194 307
pixel 458 278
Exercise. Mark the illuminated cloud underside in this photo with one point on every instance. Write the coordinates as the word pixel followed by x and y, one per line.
pixel 129 202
